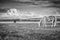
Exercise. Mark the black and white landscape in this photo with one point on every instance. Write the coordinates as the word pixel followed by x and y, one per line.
pixel 29 19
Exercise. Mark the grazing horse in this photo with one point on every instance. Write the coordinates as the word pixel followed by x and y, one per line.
pixel 52 18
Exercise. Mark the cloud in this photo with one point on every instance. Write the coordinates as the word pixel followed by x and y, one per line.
pixel 53 1
pixel 14 0
pixel 23 0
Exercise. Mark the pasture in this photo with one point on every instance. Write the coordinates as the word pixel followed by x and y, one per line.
pixel 27 31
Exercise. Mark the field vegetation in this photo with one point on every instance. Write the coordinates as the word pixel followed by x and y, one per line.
pixel 27 34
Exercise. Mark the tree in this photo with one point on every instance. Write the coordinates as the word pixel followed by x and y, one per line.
pixel 13 12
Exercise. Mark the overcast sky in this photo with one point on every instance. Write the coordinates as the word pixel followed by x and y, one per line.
pixel 34 6
pixel 25 0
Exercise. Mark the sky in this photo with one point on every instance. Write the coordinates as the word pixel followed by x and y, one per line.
pixel 32 2
pixel 26 0
pixel 33 6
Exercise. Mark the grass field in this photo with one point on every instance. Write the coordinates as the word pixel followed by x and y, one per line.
pixel 27 31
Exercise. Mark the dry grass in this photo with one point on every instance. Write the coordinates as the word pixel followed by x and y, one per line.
pixel 18 32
